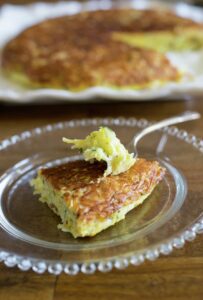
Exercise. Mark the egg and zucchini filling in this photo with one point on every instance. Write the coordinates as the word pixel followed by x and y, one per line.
pixel 103 145
pixel 179 40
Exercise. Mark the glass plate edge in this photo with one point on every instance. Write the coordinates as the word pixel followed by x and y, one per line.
pixel 40 266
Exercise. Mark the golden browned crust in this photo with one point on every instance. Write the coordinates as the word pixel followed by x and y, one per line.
pixel 98 23
pixel 115 64
pixel 90 195
pixel 76 52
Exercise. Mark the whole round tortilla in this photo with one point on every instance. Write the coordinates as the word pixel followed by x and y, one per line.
pixel 80 51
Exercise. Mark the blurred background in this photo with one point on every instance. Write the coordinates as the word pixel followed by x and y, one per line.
pixel 176 276
pixel 196 2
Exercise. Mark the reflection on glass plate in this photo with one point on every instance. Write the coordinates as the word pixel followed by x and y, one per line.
pixel 29 237
pixel 27 15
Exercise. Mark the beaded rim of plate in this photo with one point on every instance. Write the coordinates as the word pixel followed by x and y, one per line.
pixel 40 266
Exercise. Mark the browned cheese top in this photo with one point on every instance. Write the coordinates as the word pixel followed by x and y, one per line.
pixel 90 195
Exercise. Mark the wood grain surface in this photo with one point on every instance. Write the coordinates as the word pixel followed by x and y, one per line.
pixel 177 276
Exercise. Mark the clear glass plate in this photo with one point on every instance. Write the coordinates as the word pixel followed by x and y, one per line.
pixel 29 237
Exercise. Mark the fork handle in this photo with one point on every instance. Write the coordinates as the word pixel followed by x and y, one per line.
pixel 186 116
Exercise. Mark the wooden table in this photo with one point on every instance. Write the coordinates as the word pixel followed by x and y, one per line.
pixel 177 276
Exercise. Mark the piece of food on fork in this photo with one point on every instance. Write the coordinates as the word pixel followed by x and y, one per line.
pixel 86 195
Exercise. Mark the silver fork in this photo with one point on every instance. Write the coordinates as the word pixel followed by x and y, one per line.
pixel 186 116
